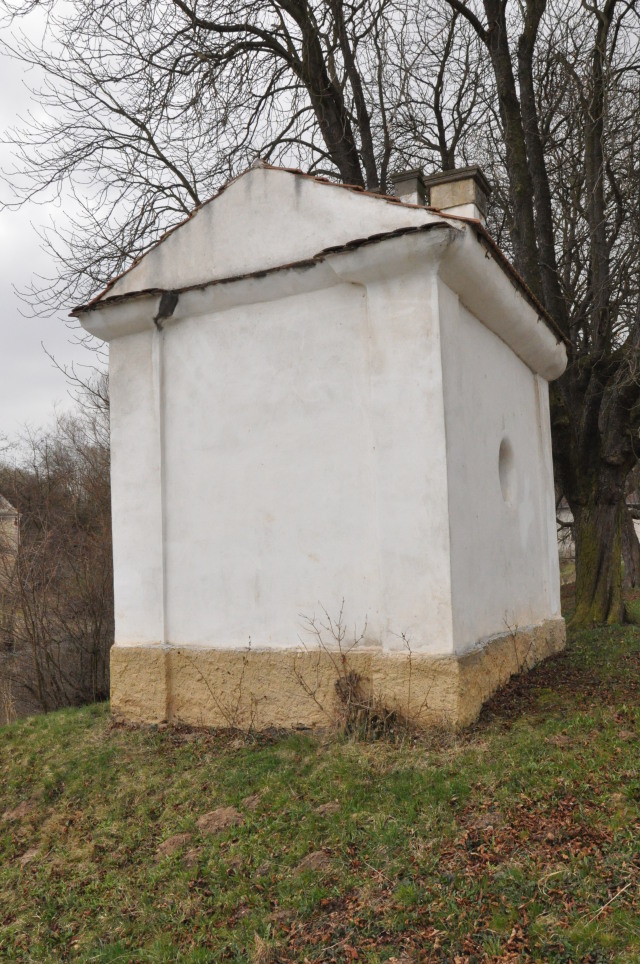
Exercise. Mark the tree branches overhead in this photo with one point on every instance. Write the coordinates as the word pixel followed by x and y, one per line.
pixel 144 109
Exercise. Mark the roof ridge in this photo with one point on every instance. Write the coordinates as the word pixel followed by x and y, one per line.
pixel 481 231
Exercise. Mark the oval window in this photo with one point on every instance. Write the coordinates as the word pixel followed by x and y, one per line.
pixel 506 470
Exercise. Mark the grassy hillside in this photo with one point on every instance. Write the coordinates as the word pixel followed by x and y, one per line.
pixel 519 841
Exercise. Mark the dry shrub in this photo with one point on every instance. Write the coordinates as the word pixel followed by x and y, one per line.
pixel 56 628
pixel 361 715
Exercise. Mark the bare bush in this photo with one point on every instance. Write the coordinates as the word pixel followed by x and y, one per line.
pixel 358 711
pixel 238 709
pixel 56 627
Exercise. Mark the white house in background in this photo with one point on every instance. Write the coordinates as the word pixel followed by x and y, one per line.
pixel 9 527
pixel 9 539
pixel 321 394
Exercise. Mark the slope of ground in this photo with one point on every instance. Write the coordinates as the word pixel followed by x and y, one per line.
pixel 518 841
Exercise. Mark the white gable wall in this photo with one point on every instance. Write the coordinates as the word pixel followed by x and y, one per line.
pixel 504 563
pixel 264 219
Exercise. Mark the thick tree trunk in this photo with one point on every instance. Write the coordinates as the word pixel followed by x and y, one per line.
pixel 553 298
pixel 598 538
pixel 523 231
pixel 630 552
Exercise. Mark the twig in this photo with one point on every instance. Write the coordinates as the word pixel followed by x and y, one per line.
pixel 604 906
pixel 379 872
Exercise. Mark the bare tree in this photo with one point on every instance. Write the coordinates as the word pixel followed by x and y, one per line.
pixel 57 626
pixel 145 109
pixel 566 82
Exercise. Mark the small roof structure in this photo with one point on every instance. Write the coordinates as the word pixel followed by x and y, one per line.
pixel 139 277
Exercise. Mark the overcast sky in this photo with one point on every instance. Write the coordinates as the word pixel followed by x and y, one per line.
pixel 30 385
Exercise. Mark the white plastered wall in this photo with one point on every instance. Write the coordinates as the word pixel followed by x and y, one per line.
pixel 281 444
pixel 303 461
pixel 136 492
pixel 504 564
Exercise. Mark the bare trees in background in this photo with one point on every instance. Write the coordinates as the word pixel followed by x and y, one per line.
pixel 567 92
pixel 56 624
pixel 146 108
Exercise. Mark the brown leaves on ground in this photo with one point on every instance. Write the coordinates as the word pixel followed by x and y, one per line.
pixel 550 833
pixel 29 856
pixel 219 819
pixel 565 676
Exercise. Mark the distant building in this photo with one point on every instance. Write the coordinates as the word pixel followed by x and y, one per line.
pixel 564 522
pixel 316 394
pixel 9 538
pixel 9 527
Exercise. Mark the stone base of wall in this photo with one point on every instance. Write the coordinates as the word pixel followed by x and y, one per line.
pixel 296 688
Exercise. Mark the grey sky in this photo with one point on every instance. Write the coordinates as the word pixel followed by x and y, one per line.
pixel 30 385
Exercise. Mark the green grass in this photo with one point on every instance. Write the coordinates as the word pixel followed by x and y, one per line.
pixel 519 840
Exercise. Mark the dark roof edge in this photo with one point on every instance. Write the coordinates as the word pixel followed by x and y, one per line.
pixel 481 232
pixel 318 258
pixel 480 229
pixel 505 264
pixel 355 188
